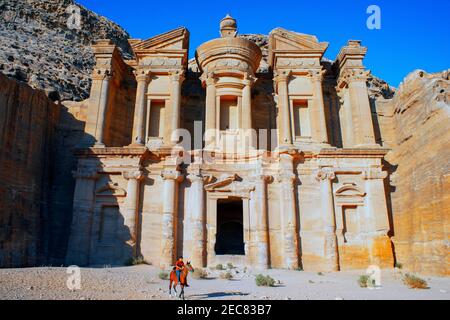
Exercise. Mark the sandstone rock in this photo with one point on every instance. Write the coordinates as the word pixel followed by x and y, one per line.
pixel 39 48
pixel 418 134
pixel 28 122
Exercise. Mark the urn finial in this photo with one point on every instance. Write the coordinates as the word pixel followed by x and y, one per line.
pixel 228 27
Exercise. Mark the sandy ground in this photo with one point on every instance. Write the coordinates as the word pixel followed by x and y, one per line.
pixel 142 282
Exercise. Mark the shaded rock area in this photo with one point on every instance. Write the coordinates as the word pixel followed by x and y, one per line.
pixel 28 121
pixel 40 49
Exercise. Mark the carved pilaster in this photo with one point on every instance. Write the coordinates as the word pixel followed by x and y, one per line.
pixel 131 208
pixel 286 179
pixel 83 207
pixel 325 176
pixel 260 216
pixel 375 200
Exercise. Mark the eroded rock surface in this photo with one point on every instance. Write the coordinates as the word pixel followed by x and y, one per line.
pixel 419 136
pixel 39 48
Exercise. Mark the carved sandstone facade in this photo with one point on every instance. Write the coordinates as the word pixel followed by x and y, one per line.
pixel 306 190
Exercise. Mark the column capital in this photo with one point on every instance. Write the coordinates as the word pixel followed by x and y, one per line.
pixel 249 79
pixel 286 177
pixel 198 177
pixel 133 174
pixel 317 75
pixel 354 75
pixel 142 75
pixel 374 174
pixel 177 76
pixel 282 76
pixel 209 79
pixel 102 73
pixel 172 174
pixel 325 174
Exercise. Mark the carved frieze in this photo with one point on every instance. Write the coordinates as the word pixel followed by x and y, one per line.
pixel 296 63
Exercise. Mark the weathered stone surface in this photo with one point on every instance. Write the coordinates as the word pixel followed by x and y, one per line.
pixel 28 121
pixel 419 136
pixel 40 49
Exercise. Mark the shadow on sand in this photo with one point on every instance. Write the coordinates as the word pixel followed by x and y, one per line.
pixel 217 295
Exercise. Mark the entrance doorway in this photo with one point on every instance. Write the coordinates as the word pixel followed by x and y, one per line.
pixel 230 227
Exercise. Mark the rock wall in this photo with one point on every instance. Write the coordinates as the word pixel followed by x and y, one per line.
pixel 28 122
pixel 415 125
pixel 39 48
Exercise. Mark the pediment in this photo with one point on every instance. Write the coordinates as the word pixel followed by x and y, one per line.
pixel 284 40
pixel 350 190
pixel 110 190
pixel 177 39
pixel 222 183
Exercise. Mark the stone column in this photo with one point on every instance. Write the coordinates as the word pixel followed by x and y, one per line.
pixel 286 178
pixel 105 76
pixel 319 127
pixel 176 79
pixel 171 179
pixel 260 211
pixel 247 108
pixel 285 131
pixel 131 208
pixel 83 207
pixel 325 177
pixel 140 109
pixel 210 118
pixel 196 220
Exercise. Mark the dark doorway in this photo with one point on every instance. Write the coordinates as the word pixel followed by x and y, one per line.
pixel 230 227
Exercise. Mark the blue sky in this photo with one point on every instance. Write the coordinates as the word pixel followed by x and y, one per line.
pixel 414 34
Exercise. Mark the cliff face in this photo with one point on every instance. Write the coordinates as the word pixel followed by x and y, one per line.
pixel 40 49
pixel 28 122
pixel 415 125
pixel 37 136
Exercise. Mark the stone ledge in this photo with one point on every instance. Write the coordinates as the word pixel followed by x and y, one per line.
pixel 353 152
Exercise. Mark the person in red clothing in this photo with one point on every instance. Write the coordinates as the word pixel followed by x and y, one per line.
pixel 179 265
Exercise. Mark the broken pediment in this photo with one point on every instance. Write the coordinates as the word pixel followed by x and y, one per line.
pixel 350 190
pixel 291 44
pixel 110 190
pixel 177 39
pixel 284 40
pixel 231 185
pixel 222 182
pixel 166 51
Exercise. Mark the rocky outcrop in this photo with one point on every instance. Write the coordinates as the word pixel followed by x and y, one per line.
pixel 415 125
pixel 40 49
